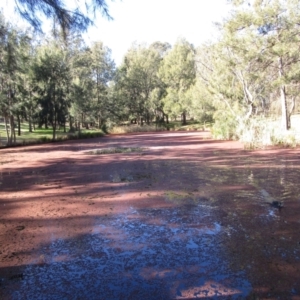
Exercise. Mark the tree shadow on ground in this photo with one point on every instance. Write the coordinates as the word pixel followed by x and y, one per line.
pixel 167 223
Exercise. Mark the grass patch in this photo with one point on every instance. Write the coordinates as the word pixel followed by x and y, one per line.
pixel 116 150
pixel 42 135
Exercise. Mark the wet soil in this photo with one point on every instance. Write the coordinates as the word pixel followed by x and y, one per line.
pixel 184 217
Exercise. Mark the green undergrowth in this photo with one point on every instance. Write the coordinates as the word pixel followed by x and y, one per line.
pixel 42 135
pixel 134 128
pixel 190 126
pixel 259 133
pixel 171 126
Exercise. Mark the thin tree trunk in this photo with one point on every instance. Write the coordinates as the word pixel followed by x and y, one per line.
pixel 30 114
pixel 54 114
pixel 54 127
pixel 292 107
pixel 78 125
pixel 284 112
pixel 99 122
pixel 19 125
pixel 6 129
pixel 30 120
pixel 70 123
pixel 12 130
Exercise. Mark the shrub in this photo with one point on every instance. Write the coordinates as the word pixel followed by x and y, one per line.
pixel 260 132
pixel 225 128
pixel 44 139
pixel 135 128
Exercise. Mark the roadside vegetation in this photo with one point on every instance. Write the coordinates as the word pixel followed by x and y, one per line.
pixel 40 136
pixel 243 86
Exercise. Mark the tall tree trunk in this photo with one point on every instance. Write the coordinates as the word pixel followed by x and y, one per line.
pixel 30 114
pixel 12 130
pixel 290 111
pixel 19 125
pixel 6 129
pixel 70 123
pixel 284 112
pixel 76 123
pixel 30 120
pixel 14 133
pixel 54 113
pixel 54 127
pixel 183 118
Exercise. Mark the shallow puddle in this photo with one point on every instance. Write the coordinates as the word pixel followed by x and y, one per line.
pixel 126 258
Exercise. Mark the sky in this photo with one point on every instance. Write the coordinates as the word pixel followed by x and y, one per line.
pixel 147 21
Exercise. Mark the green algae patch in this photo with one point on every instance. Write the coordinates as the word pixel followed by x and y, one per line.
pixel 116 150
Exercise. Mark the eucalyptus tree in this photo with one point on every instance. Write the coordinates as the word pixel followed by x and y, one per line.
pixel 202 106
pixel 4 105
pixel 228 76
pixel 178 72
pixel 11 42
pixel 102 69
pixel 138 80
pixel 80 85
pixel 26 84
pixel 271 28
pixel 92 70
pixel 70 17
pixel 160 91
pixel 52 73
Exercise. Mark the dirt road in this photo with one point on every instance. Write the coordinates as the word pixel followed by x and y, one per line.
pixel 169 216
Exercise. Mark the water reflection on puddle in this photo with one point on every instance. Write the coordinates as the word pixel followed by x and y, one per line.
pixel 126 258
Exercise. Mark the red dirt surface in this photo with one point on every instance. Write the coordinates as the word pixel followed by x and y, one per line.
pixel 184 217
